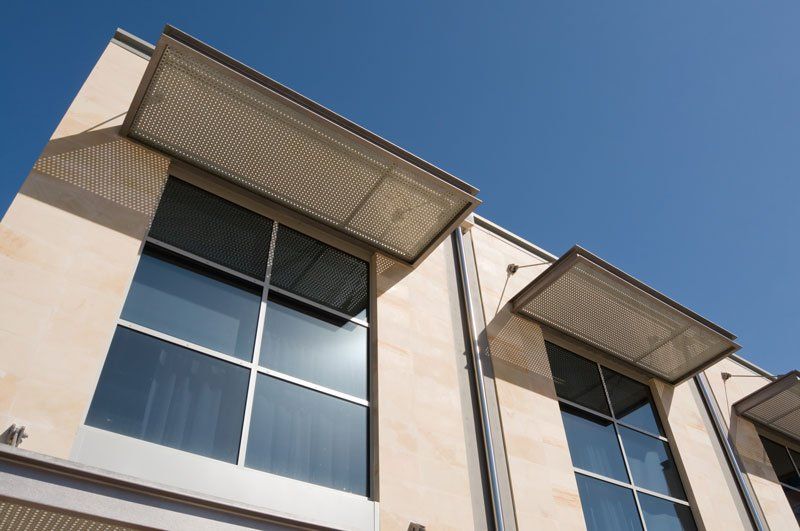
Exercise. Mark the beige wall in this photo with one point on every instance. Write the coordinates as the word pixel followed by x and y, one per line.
pixel 545 492
pixel 68 246
pixel 544 488
pixel 745 438
pixel 707 477
pixel 428 473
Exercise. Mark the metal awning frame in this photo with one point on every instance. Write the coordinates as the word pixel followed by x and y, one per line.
pixel 177 39
pixel 784 383
pixel 578 253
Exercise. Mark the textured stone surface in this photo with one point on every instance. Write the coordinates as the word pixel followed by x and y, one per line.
pixel 540 467
pixel 426 474
pixel 744 436
pixel 68 247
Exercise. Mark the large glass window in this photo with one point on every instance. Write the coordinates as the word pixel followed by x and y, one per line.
pixel 626 474
pixel 211 356
pixel 786 463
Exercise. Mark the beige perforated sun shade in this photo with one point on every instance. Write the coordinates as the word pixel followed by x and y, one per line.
pixel 776 405
pixel 591 300
pixel 203 108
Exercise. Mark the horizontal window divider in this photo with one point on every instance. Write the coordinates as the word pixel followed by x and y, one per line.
pixel 314 387
pixel 629 486
pixel 612 419
pixel 200 259
pixel 317 305
pixel 644 432
pixel 183 343
pixel 607 479
pixel 796 489
pixel 662 496
pixel 586 409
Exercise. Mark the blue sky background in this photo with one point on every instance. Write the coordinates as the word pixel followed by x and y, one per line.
pixel 663 136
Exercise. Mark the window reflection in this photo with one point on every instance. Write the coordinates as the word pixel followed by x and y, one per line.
pixel 652 466
pixel 781 463
pixel 607 507
pixel 315 346
pixel 169 395
pixel 309 436
pixel 577 379
pixel 194 304
pixel 593 443
pixel 664 515
pixel 632 402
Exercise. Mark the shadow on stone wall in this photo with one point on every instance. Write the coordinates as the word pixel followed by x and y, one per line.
pixel 101 177
pixel 518 352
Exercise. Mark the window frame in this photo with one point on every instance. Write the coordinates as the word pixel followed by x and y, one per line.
pixel 245 199
pixel 779 441
pixel 600 361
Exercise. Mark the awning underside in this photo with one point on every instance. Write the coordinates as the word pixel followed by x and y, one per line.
pixel 586 298
pixel 776 405
pixel 205 113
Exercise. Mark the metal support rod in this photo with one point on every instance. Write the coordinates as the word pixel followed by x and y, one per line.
pixel 475 352
pixel 717 419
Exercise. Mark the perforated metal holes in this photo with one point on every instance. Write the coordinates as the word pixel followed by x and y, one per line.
pixel 210 227
pixel 22 517
pixel 316 271
pixel 587 301
pixel 776 405
pixel 217 119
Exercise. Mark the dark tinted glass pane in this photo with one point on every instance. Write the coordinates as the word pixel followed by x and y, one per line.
pixel 170 395
pixel 593 443
pixel 193 304
pixel 577 379
pixel 663 515
pixel 315 346
pixel 783 466
pixel 206 225
pixel 607 507
pixel 651 463
pixel 309 436
pixel 794 502
pixel 321 273
pixel 632 402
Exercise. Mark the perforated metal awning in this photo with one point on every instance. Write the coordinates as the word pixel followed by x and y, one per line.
pixel 776 405
pixel 593 301
pixel 202 107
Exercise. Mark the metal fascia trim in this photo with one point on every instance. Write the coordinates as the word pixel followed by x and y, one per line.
pixel 133 43
pixel 178 39
pixel 577 253
pixel 316 108
pixel 785 382
pixel 515 239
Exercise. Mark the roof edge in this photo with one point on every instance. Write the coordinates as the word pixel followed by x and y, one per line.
pixel 313 106
pixel 132 43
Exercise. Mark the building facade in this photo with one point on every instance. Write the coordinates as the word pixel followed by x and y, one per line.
pixel 224 306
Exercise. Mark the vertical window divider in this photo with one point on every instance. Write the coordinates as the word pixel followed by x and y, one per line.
pixel 621 445
pixel 792 461
pixel 262 312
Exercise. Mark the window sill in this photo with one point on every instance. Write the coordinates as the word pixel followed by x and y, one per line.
pixel 283 497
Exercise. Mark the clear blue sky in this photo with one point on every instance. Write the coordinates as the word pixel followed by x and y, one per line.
pixel 664 136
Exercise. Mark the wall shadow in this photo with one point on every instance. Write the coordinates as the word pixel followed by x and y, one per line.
pixel 518 353
pixel 102 177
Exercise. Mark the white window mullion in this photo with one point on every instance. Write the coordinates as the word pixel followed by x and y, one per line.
pixel 262 312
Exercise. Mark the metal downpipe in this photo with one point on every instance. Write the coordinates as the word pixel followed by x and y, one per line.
pixel 475 353
pixel 741 480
